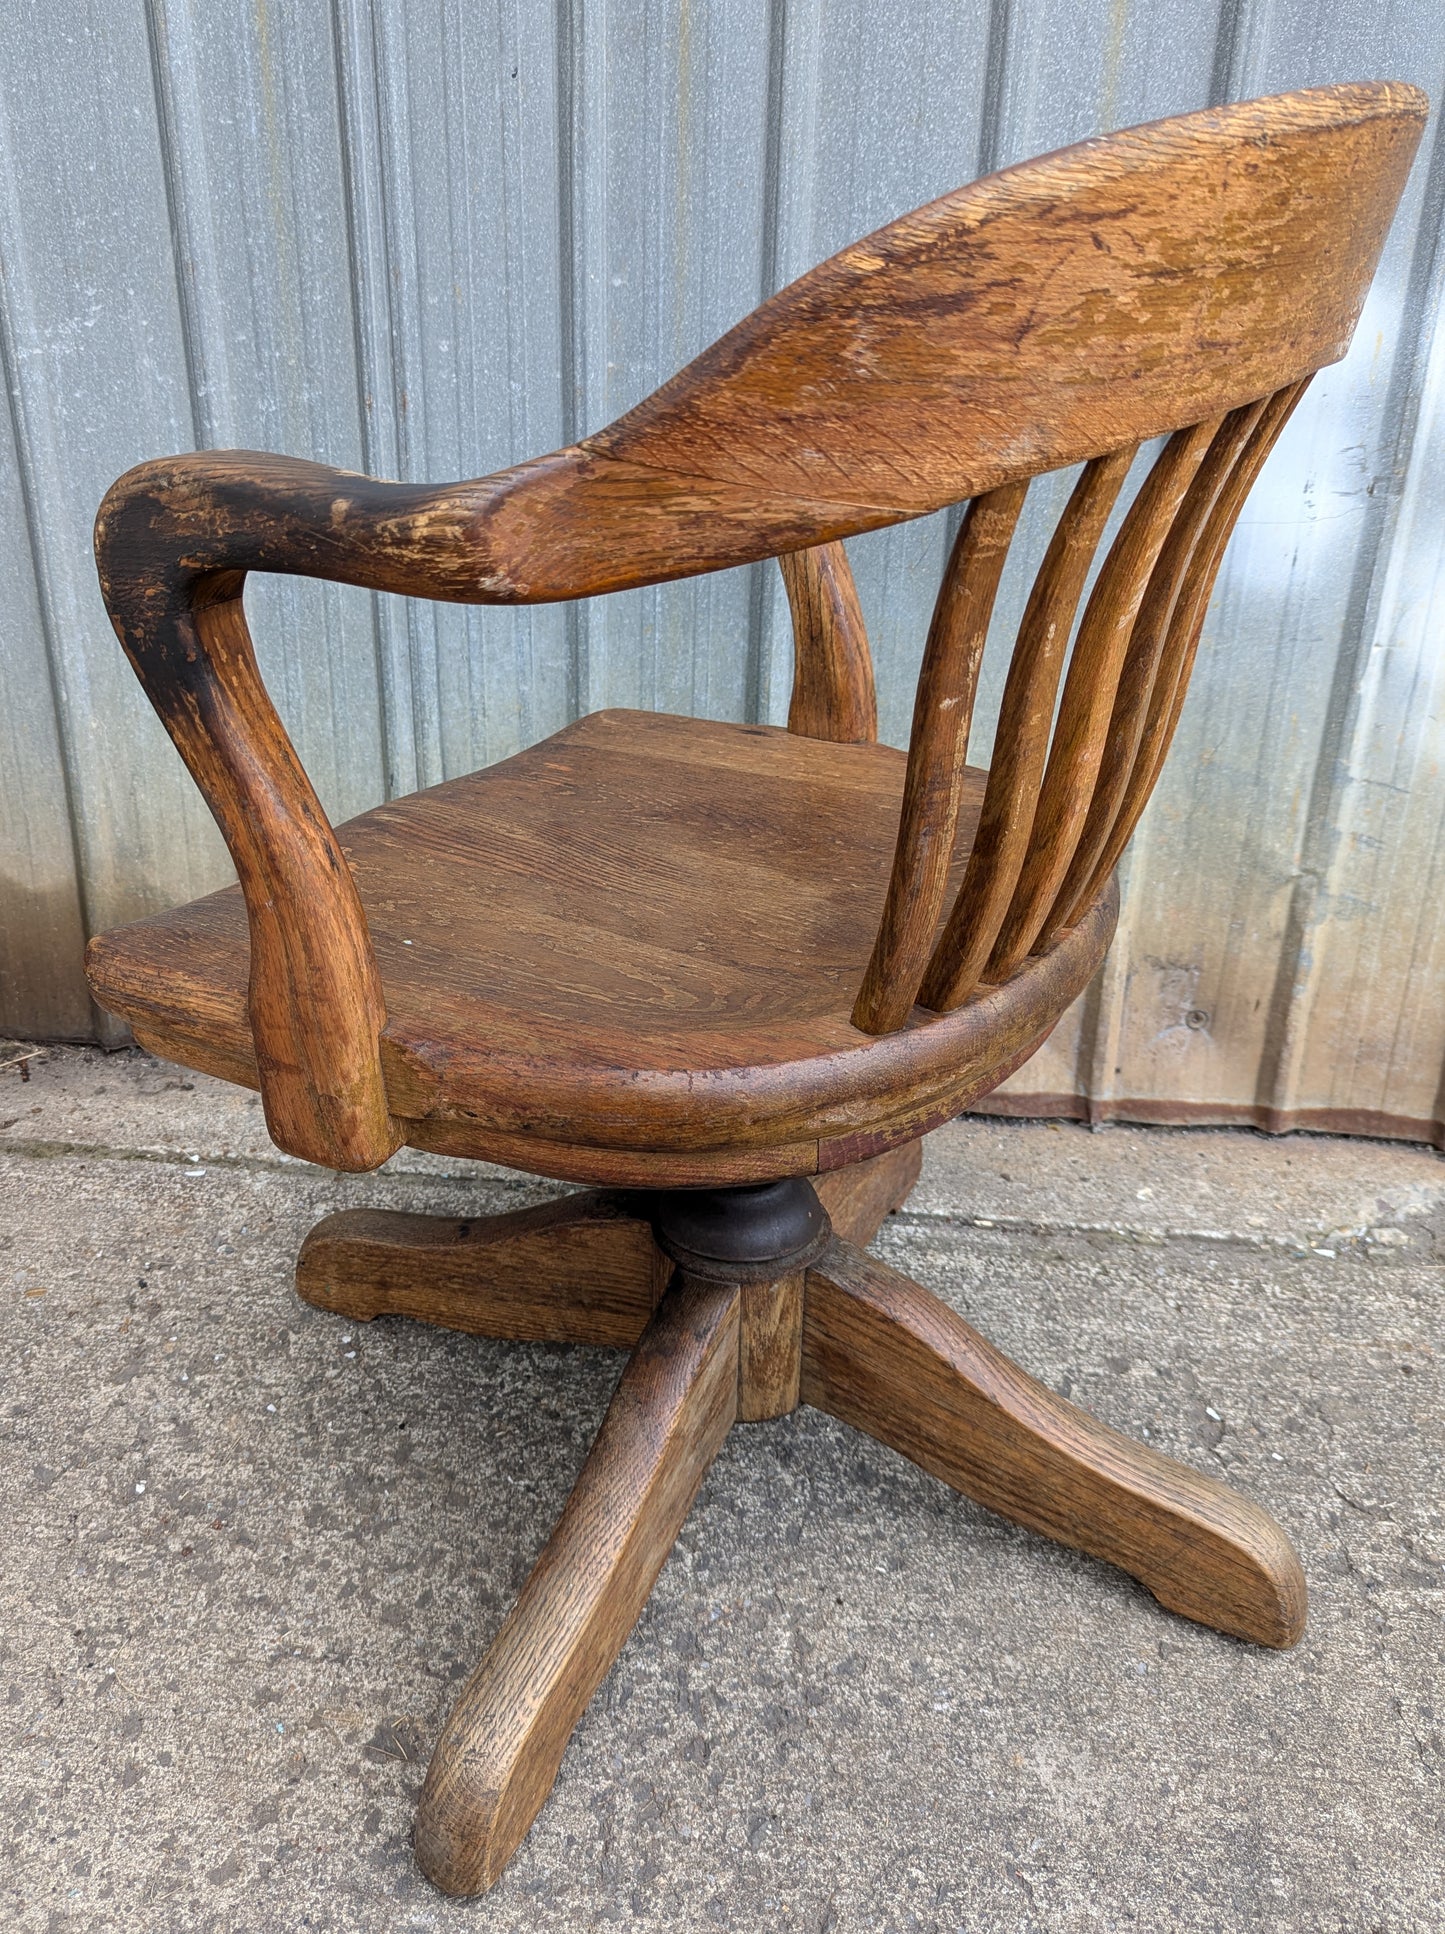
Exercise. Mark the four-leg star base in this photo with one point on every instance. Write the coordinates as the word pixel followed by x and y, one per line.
pixel 752 1310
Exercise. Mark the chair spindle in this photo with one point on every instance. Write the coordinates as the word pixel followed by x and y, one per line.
pixel 1146 650
pixel 1186 626
pixel 937 751
pixel 833 691
pixel 1094 667
pixel 1062 799
pixel 1021 742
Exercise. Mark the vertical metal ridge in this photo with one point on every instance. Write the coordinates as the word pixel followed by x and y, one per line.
pixel 1101 1031
pixel 370 283
pixel 762 584
pixel 1229 49
pixel 990 146
pixel 106 1028
pixel 368 252
pixel 386 698
pixel 995 85
pixel 569 31
pixel 393 143
pixel 185 243
pixel 773 148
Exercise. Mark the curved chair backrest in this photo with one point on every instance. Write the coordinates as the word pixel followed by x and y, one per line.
pixel 1187 277
pixel 1102 295
pixel 1182 279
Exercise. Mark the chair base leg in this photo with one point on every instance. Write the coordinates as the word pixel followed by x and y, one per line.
pixel 582 1269
pixel 890 1358
pixel 499 1752
pixel 836 1329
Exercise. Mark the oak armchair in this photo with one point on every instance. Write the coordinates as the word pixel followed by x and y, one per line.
pixel 728 976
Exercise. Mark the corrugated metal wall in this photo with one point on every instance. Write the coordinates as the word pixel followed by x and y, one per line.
pixel 427 238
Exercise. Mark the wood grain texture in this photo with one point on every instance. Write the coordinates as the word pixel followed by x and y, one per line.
pixel 858 1199
pixel 1021 742
pixel 937 754
pixel 648 951
pixel 1146 650
pixel 313 1004
pixel 770 1337
pixel 573 962
pixel 1186 625
pixel 964 348
pixel 497 1758
pixel 833 691
pixel 1094 666
pixel 580 1270
pixel 889 1358
pixel 968 344
pixel 1110 292
pixel 996 1034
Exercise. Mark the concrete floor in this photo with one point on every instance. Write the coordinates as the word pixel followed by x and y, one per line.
pixel 250 1551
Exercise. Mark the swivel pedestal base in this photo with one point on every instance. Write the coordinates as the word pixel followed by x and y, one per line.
pixel 738 1305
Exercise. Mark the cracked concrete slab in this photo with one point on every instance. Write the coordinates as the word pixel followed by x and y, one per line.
pixel 252 1550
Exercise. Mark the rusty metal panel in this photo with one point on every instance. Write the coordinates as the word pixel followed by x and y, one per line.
pixel 429 240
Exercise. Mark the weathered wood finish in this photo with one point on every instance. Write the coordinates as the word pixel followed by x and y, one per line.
pixel 498 1756
pixel 770 1340
pixel 626 984
pixel 833 691
pixel 648 951
pixel 858 1199
pixel 1051 834
pixel 1095 297
pixel 1021 742
pixel 848 1335
pixel 1151 633
pixel 580 1270
pixel 888 1358
pixel 937 752
pixel 314 1008
pixel 1170 682
pixel 873 389
pixel 1094 667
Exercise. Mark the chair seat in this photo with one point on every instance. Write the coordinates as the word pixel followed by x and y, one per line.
pixel 628 955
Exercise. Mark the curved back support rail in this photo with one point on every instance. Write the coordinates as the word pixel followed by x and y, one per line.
pixel 1148 283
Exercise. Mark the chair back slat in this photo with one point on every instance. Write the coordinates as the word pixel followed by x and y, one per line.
pixel 1022 740
pixel 1147 643
pixel 937 750
pixel 1063 795
pixel 1089 691
pixel 1185 629
pixel 833 691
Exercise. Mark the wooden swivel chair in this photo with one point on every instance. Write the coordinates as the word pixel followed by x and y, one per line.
pixel 729 975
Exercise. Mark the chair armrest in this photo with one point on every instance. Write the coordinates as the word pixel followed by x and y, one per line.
pixel 174 540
